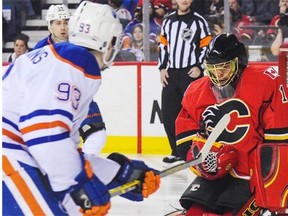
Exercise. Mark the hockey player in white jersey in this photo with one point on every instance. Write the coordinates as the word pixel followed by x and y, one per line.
pixel 92 129
pixel 46 96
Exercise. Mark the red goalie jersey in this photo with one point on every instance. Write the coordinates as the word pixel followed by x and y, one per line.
pixel 258 110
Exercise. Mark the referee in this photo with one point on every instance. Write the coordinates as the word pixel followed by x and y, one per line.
pixel 183 43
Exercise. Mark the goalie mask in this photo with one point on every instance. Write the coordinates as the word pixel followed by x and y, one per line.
pixel 219 161
pixel 96 27
pixel 225 60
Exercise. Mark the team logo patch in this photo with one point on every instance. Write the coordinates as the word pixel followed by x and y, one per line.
pixel 194 187
pixel 187 34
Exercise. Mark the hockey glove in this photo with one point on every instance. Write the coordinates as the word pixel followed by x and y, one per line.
pixel 131 170
pixel 219 161
pixel 90 193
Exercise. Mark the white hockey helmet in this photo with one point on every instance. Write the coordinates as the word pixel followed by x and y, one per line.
pixel 96 26
pixel 56 12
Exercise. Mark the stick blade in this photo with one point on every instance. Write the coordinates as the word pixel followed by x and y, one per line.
pixel 221 125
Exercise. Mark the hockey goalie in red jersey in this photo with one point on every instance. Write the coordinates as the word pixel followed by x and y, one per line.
pixel 255 163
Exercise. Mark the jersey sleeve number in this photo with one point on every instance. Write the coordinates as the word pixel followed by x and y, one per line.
pixel 282 91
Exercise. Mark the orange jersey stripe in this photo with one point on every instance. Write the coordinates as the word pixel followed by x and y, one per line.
pixel 45 125
pixel 205 41
pixel 12 136
pixel 72 64
pixel 22 187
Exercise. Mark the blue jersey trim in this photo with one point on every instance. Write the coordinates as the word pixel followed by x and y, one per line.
pixel 7 121
pixel 7 72
pixel 46 113
pixel 12 146
pixel 47 139
pixel 79 56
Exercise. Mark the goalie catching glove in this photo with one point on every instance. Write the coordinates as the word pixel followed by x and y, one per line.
pixel 135 170
pixel 219 161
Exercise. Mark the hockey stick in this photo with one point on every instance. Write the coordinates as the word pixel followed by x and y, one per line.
pixel 221 125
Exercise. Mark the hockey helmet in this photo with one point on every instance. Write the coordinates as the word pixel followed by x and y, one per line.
pixel 228 54
pixel 97 27
pixel 56 12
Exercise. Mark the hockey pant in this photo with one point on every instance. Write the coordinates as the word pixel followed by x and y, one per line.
pixel 218 196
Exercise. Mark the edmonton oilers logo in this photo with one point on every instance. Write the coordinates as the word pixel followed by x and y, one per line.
pixel 186 34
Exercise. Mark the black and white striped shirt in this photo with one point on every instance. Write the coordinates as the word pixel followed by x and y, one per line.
pixel 183 41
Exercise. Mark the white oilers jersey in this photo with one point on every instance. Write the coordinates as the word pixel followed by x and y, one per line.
pixel 46 96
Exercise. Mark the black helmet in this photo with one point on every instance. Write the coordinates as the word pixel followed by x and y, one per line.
pixel 225 51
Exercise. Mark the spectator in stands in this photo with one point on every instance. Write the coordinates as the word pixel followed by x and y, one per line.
pixel 18 17
pixel 57 17
pixel 97 1
pixel 200 6
pixel 5 31
pixel 214 15
pixel 29 9
pixel 271 33
pixel 138 18
pixel 261 11
pixel 137 43
pixel 281 35
pixel 239 21
pixel 123 14
pixel 174 5
pixel 216 7
pixel 130 5
pixel 216 24
pixel 20 47
pixel 162 8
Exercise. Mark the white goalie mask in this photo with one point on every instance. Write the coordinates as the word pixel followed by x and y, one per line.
pixel 57 12
pixel 97 27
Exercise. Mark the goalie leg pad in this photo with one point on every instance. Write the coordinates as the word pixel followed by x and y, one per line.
pixel 270 177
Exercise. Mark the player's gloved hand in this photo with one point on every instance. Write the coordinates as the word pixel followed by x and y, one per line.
pixel 219 161
pixel 90 193
pixel 131 170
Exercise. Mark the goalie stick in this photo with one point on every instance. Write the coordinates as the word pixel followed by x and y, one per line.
pixel 221 125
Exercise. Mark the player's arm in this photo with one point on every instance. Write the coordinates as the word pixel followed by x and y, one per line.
pixel 275 118
pixel 186 127
pixel 93 131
